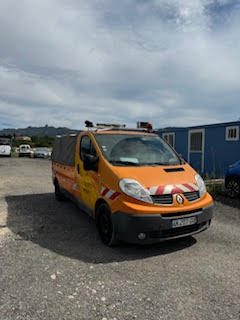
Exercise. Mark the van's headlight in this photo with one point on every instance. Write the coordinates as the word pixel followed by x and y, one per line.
pixel 135 190
pixel 201 185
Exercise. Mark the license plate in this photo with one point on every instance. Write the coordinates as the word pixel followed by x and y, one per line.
pixel 184 222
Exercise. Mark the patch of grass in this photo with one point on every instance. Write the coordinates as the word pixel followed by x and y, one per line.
pixel 215 187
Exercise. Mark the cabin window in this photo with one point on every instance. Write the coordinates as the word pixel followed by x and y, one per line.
pixel 196 141
pixel 232 133
pixel 170 138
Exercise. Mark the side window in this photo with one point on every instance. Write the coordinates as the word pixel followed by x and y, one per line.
pixel 87 147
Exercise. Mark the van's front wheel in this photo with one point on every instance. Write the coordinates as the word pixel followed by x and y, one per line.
pixel 105 225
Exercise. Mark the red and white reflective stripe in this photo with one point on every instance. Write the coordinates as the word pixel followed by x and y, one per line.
pixel 194 186
pixel 173 188
pixel 109 193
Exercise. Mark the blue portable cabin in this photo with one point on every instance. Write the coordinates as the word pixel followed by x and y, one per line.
pixel 210 149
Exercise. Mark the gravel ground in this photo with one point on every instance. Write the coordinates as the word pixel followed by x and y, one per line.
pixel 53 265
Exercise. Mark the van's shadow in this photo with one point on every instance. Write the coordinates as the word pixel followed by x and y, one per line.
pixel 62 228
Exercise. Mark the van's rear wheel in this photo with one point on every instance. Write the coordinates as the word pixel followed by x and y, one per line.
pixel 58 193
pixel 105 225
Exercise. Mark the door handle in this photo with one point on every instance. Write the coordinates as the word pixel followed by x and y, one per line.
pixel 78 169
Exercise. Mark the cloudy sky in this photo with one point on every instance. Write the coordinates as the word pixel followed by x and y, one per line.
pixel 171 62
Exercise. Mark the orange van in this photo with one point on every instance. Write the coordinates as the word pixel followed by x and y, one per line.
pixel 132 183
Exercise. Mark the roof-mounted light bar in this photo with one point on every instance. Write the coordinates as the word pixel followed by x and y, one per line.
pixel 103 126
pixel 110 125
pixel 141 126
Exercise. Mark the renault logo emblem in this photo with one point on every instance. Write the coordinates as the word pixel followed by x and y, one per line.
pixel 179 199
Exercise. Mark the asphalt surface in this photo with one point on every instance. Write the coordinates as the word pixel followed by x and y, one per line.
pixel 53 265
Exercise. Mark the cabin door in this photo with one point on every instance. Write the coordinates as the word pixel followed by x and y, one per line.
pixel 196 146
pixel 87 182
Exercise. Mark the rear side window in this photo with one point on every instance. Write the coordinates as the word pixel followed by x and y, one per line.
pixel 64 150
pixel 87 147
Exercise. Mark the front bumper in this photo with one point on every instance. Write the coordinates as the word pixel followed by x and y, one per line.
pixel 25 154
pixel 158 227
pixel 42 156
pixel 5 154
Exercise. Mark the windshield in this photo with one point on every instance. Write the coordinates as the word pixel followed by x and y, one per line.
pixel 25 147
pixel 136 150
pixel 5 142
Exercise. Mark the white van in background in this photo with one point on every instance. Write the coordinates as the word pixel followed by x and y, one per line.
pixel 25 151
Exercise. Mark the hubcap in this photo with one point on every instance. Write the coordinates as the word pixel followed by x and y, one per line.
pixel 234 188
pixel 104 221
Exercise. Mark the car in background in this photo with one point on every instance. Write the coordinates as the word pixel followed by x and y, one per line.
pixel 232 180
pixel 5 150
pixel 43 153
pixel 25 150
pixel 5 146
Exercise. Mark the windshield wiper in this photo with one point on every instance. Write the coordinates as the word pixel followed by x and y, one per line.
pixel 126 163
pixel 163 164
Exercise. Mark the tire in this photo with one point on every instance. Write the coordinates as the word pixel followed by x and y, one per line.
pixel 233 187
pixel 58 193
pixel 105 225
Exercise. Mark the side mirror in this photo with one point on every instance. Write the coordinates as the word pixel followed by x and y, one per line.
pixel 90 162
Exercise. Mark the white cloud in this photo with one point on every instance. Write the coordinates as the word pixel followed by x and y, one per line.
pixel 129 60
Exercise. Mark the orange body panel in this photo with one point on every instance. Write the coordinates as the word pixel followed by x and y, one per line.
pixel 64 174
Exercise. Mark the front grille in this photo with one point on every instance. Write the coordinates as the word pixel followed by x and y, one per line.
pixel 162 199
pixel 176 231
pixel 168 198
pixel 192 196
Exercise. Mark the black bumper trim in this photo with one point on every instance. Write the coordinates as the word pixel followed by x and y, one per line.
pixel 157 227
